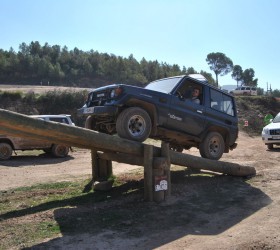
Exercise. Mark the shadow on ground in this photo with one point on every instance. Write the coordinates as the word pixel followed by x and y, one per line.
pixel 40 160
pixel 199 205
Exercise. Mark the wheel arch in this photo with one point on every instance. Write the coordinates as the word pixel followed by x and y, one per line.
pixel 6 140
pixel 88 122
pixel 149 108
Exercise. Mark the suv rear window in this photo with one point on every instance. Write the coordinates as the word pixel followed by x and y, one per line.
pixel 221 102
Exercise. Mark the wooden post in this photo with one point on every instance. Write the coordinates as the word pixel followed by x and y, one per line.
pixel 161 174
pixel 148 172
pixel 101 172
pixel 159 179
pixel 104 169
pixel 165 153
pixel 94 165
pixel 101 169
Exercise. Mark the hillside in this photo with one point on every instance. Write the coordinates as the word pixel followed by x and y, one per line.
pixel 253 110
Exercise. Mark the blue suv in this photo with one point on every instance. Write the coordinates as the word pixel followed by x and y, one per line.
pixel 184 111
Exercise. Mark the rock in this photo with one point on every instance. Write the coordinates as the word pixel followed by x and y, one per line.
pixel 103 185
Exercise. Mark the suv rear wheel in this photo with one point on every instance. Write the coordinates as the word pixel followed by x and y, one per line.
pixel 134 123
pixel 213 146
pixel 60 150
pixel 5 151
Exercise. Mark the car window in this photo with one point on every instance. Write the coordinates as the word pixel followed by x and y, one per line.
pixel 277 118
pixel 221 102
pixel 187 89
pixel 164 85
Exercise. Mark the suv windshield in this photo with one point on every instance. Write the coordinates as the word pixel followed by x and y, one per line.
pixel 165 85
pixel 277 118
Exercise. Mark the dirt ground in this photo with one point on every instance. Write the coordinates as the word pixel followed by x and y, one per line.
pixel 202 213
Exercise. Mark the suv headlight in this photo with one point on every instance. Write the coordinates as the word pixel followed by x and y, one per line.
pixel 266 131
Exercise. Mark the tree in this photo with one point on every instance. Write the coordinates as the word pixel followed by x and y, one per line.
pixel 34 63
pixel 35 48
pixel 191 70
pixel 237 74
pixel 208 76
pixel 220 64
pixel 248 77
pixel 276 93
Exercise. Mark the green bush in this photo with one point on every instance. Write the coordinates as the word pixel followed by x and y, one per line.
pixel 11 96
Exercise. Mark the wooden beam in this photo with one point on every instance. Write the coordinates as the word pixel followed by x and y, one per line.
pixel 21 125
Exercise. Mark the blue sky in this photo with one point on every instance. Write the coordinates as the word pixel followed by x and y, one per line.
pixel 179 32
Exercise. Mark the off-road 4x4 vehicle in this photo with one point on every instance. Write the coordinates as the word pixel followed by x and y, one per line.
pixel 164 110
pixel 10 143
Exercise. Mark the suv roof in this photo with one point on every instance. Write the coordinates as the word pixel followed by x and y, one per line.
pixel 198 77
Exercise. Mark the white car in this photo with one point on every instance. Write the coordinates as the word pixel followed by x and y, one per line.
pixel 244 90
pixel 8 144
pixel 271 133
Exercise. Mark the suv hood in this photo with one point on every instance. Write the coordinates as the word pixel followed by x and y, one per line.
pixel 273 125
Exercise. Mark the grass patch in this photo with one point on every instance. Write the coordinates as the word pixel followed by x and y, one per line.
pixel 28 214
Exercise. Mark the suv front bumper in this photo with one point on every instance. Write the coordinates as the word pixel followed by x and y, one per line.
pixel 98 110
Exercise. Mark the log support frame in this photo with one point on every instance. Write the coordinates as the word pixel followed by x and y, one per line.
pixel 114 148
pixel 157 181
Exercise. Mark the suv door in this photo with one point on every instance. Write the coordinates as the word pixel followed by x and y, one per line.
pixel 220 112
pixel 185 115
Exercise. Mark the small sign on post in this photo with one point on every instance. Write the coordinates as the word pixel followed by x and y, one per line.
pixel 161 183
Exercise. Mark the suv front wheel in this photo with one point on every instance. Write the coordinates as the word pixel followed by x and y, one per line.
pixel 213 146
pixel 134 123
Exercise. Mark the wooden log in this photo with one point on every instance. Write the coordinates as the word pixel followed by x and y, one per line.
pixel 20 125
pixel 122 158
pixel 211 165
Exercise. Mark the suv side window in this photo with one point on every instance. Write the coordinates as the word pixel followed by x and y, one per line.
pixel 221 102
pixel 186 89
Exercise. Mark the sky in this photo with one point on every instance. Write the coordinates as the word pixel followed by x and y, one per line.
pixel 179 32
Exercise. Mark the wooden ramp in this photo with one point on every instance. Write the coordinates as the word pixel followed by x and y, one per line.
pixel 109 147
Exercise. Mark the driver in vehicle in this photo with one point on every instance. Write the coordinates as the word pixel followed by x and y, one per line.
pixel 195 94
